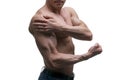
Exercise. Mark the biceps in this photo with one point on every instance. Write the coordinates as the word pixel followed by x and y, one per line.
pixel 78 22
pixel 75 21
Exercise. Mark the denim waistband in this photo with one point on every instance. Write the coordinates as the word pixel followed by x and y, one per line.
pixel 58 74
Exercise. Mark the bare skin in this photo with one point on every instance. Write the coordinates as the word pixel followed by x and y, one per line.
pixel 53 28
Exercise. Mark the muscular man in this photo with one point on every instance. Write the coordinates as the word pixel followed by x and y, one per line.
pixel 53 28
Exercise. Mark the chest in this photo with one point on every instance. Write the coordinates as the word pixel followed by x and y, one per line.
pixel 64 16
pixel 63 41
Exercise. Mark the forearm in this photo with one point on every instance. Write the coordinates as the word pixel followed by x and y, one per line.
pixel 78 32
pixel 69 59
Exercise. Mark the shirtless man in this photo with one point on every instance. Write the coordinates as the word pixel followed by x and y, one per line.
pixel 53 28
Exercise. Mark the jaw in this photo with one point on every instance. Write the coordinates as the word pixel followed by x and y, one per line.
pixel 55 5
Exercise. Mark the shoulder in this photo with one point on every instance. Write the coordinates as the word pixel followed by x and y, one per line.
pixel 74 16
pixel 37 14
pixel 69 9
pixel 34 19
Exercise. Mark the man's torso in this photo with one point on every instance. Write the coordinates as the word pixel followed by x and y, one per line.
pixel 62 42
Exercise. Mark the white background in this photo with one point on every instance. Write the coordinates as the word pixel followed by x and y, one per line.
pixel 20 58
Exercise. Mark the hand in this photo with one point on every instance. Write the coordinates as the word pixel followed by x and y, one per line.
pixel 47 23
pixel 54 23
pixel 39 23
pixel 94 50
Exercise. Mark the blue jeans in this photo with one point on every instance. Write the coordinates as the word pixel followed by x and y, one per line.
pixel 50 75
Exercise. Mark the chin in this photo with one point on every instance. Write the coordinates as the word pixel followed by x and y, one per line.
pixel 59 6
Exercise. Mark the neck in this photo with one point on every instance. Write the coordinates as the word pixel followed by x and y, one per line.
pixel 53 9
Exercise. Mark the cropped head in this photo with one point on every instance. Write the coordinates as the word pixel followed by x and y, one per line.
pixel 56 3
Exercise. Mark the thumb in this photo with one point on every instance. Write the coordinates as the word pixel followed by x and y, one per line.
pixel 47 17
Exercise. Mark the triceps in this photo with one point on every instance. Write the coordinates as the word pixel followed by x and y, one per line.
pixel 46 41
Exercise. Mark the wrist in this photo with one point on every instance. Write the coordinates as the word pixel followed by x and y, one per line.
pixel 65 27
pixel 86 56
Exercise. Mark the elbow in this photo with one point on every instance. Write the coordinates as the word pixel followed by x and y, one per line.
pixel 56 60
pixel 56 63
pixel 90 36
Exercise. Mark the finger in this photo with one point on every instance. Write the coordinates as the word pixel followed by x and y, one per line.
pixel 47 17
pixel 99 49
pixel 44 29
pixel 96 45
pixel 41 20
pixel 93 48
pixel 40 30
pixel 39 24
